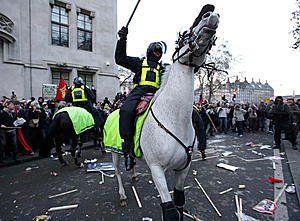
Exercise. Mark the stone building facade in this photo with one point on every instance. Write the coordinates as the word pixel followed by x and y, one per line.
pixel 246 92
pixel 44 40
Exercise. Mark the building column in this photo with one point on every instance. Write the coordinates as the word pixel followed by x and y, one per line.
pixel 73 75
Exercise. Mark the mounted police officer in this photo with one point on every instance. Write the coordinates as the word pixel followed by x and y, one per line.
pixel 147 79
pixel 82 96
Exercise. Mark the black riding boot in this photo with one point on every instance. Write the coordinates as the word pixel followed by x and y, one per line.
pixel 179 201
pixel 170 213
pixel 129 160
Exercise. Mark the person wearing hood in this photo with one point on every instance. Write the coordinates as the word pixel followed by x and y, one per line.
pixel 283 120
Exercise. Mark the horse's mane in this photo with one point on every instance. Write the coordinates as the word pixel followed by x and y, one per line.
pixel 164 80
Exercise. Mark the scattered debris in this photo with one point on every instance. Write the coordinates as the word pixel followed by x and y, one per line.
pixel 251 160
pixel 225 191
pixel 53 174
pixel 249 144
pixel 242 186
pixel 195 172
pixel 268 206
pixel 219 214
pixel 291 189
pixel 61 194
pixel 274 158
pixel 274 167
pixel 265 147
pixel 90 161
pixel 273 180
pixel 239 207
pixel 147 219
pixel 150 182
pixel 30 168
pixel 247 218
pixel 227 167
pixel 62 207
pixel 96 167
pixel 265 206
pixel 282 154
pixel 258 153
pixel 102 179
pixel 136 197
pixel 42 217
pixel 189 215
pixel 227 153
pixel 291 162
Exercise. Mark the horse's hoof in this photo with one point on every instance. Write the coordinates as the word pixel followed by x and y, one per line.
pixel 123 202
pixel 135 178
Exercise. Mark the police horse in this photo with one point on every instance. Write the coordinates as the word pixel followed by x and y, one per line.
pixel 167 137
pixel 62 129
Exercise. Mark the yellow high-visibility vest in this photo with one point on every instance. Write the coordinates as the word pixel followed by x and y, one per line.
pixel 78 94
pixel 148 72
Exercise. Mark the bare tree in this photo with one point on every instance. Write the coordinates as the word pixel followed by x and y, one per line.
pixel 213 74
pixel 296 28
pixel 125 75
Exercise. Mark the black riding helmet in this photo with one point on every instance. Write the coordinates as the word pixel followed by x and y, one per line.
pixel 155 51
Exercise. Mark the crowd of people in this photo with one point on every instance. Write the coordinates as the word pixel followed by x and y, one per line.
pixel 37 114
pixel 273 117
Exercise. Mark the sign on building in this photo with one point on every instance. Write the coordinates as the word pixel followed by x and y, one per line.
pixel 49 91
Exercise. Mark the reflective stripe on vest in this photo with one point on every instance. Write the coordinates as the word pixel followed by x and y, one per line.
pixel 78 94
pixel 145 69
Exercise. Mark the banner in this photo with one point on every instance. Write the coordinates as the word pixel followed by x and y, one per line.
pixel 49 91
pixel 61 90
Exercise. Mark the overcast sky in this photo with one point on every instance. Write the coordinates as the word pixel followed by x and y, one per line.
pixel 257 32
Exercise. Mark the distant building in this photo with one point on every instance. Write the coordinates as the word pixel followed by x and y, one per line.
pixel 42 41
pixel 253 92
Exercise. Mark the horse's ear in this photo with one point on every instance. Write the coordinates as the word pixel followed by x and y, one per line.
pixel 205 9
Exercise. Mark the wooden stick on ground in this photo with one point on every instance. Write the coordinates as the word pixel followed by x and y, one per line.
pixel 237 208
pixel 225 191
pixel 61 194
pixel 280 193
pixel 241 209
pixel 137 197
pixel 62 207
pixel 219 214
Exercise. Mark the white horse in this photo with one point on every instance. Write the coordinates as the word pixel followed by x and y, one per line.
pixel 163 143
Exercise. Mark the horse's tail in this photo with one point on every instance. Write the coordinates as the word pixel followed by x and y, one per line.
pixel 48 141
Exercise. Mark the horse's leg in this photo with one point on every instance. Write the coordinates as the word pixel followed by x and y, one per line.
pixel 116 161
pixel 179 198
pixel 134 176
pixel 58 144
pixel 168 209
pixel 75 152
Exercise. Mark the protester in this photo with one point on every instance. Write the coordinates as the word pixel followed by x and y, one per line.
pixel 8 135
pixel 283 119
pixel 238 117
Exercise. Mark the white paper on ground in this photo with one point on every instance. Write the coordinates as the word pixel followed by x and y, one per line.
pixel 227 167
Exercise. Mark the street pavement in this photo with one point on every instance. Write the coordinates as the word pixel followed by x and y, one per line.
pixel 25 193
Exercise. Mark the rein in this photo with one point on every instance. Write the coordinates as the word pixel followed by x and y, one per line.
pixel 188 149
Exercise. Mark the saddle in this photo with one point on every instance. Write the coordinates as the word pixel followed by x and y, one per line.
pixel 144 103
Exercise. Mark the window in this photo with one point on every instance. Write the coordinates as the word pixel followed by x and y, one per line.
pixel 84 32
pixel 59 26
pixel 87 79
pixel 57 75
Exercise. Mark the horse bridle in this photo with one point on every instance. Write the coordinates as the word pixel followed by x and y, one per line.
pixel 188 149
pixel 190 38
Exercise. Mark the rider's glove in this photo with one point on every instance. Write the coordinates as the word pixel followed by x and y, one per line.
pixel 123 33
